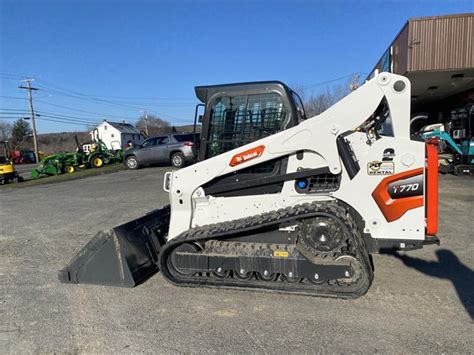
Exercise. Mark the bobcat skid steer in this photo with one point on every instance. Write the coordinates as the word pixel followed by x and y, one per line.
pixel 282 204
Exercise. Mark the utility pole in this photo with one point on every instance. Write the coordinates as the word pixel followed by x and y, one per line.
pixel 32 111
pixel 146 123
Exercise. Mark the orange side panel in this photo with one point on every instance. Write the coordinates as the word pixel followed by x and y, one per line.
pixel 432 187
pixel 393 209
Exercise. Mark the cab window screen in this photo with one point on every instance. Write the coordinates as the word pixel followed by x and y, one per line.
pixel 238 120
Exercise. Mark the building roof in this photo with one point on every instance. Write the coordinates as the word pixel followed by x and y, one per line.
pixel 423 18
pixel 124 127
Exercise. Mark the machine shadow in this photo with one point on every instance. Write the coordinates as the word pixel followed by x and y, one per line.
pixel 447 267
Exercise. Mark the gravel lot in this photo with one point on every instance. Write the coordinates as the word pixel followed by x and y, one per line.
pixel 422 301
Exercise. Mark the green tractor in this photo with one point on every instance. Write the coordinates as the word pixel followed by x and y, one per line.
pixel 54 164
pixel 60 163
pixel 100 155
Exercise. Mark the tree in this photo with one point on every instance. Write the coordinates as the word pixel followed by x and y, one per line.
pixel 20 131
pixel 5 130
pixel 317 103
pixel 156 125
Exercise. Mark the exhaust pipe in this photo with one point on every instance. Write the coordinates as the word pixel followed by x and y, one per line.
pixel 124 256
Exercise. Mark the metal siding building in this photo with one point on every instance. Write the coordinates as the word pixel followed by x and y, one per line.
pixel 441 43
pixel 437 55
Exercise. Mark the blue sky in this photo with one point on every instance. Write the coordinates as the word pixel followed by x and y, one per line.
pixel 113 59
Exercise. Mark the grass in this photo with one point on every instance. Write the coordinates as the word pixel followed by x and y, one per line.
pixel 66 177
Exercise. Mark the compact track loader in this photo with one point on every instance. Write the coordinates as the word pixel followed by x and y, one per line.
pixel 281 203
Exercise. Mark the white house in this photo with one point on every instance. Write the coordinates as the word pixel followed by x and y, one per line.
pixel 115 134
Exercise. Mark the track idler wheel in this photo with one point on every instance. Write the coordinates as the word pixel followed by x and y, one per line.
pixel 174 263
pixel 356 269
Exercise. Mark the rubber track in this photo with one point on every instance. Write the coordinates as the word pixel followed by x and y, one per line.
pixel 224 230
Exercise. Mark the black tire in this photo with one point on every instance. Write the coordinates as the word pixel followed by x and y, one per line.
pixel 177 160
pixel 97 161
pixel 131 162
pixel 20 179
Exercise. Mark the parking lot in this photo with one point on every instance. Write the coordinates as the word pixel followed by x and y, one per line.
pixel 421 301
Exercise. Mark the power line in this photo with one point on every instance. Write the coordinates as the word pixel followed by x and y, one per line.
pixel 13 97
pixel 84 111
pixel 72 94
pixel 57 87
pixel 76 95
pixel 12 76
pixel 54 114
pixel 69 116
pixel 86 98
pixel 116 97
pixel 51 120
pixel 67 119
pixel 13 110
pixel 327 82
pixel 128 105
pixel 64 122
pixel 14 113
pixel 99 99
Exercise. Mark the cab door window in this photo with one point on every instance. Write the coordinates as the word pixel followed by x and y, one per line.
pixel 238 120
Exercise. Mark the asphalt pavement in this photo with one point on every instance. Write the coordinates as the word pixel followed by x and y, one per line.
pixel 420 301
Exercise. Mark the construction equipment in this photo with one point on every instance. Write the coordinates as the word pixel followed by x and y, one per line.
pixel 447 148
pixel 462 132
pixel 456 141
pixel 7 168
pixel 100 155
pixel 64 162
pixel 23 156
pixel 95 157
pixel 54 164
pixel 294 206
